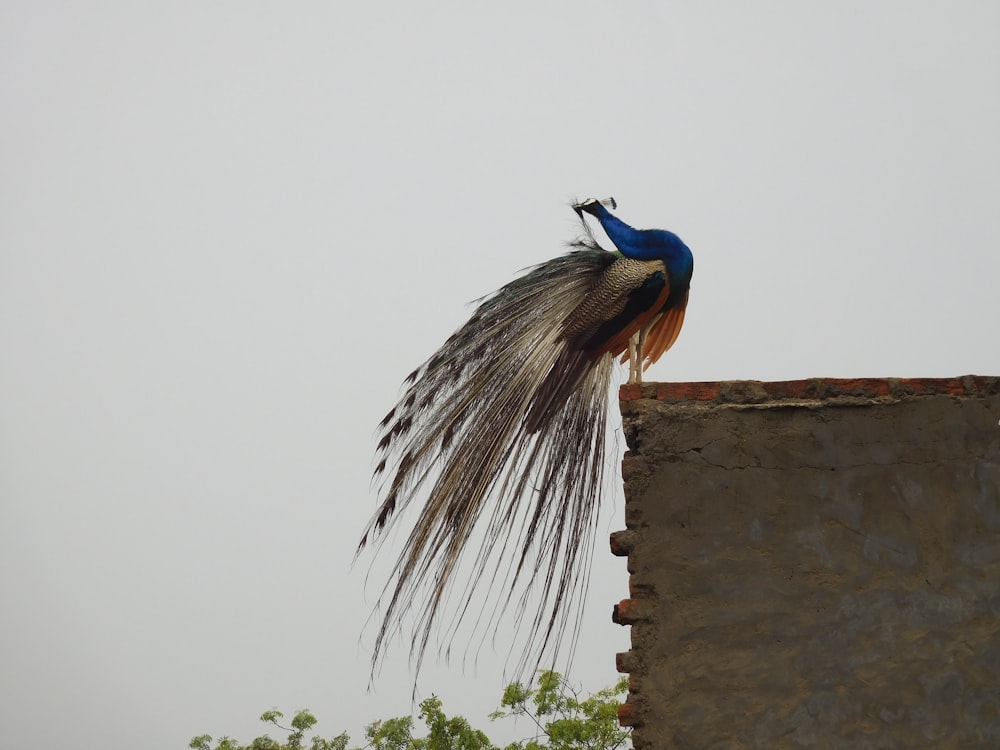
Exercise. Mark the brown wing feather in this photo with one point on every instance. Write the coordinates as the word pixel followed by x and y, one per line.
pixel 664 333
pixel 619 342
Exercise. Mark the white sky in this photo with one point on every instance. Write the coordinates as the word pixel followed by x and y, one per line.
pixel 228 230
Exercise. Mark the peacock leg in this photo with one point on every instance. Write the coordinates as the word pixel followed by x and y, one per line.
pixel 639 356
pixel 634 355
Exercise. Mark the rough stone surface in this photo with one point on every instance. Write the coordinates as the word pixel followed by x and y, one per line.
pixel 813 566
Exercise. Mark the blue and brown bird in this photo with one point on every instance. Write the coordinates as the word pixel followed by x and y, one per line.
pixel 500 437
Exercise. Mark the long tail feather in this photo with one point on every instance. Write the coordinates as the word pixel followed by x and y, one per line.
pixel 477 427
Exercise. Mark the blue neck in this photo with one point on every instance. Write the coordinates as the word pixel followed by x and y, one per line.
pixel 647 244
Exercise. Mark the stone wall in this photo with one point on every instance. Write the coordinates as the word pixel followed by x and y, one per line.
pixel 813 564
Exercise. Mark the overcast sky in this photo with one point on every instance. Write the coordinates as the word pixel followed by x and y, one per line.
pixel 229 229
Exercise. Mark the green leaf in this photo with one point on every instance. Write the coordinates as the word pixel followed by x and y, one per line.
pixel 265 743
pixel 271 716
pixel 303 720
pixel 561 718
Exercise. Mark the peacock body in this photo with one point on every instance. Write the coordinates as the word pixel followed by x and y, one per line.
pixel 500 438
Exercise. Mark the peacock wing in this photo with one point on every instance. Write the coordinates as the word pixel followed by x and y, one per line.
pixel 626 297
pixel 664 333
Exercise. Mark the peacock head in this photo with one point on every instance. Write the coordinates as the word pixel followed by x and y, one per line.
pixel 594 207
pixel 640 244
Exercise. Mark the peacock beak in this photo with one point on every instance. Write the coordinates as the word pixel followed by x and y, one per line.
pixel 589 204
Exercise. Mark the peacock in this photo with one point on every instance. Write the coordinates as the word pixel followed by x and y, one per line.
pixel 500 438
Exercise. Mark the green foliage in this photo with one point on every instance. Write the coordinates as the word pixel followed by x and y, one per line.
pixel 565 721
pixel 560 718
pixel 390 734
pixel 450 734
pixel 302 722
